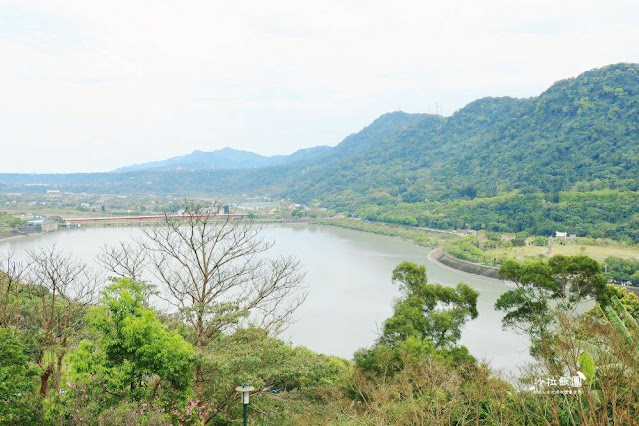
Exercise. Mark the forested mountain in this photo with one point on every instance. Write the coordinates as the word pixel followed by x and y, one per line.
pixel 498 163
pixel 580 134
pixel 225 158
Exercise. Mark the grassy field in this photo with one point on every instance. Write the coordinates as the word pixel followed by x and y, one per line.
pixel 597 252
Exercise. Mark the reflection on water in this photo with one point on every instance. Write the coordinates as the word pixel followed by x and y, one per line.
pixel 349 286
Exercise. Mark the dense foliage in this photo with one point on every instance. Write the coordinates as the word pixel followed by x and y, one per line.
pixel 421 237
pixel 18 379
pixel 599 214
pixel 622 271
pixel 133 356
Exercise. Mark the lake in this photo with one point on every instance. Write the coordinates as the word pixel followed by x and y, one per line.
pixel 348 278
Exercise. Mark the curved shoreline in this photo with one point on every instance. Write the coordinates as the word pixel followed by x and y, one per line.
pixel 433 257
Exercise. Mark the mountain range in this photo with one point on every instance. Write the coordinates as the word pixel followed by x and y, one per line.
pixel 498 163
pixel 225 158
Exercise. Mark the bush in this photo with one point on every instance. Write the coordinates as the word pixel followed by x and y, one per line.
pixel 518 242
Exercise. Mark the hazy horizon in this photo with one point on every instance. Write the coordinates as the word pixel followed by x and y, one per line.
pixel 95 87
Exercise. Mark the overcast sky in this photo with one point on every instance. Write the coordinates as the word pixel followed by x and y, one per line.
pixel 91 86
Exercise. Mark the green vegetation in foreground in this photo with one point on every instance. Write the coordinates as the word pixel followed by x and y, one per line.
pixel 119 361
pixel 418 236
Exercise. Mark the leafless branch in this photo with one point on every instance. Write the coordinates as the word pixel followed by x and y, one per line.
pixel 11 274
pixel 63 287
pixel 215 271
pixel 126 260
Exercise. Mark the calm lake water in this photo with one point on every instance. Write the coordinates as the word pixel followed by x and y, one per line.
pixel 350 293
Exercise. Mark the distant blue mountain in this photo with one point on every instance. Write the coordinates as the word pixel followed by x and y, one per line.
pixel 225 158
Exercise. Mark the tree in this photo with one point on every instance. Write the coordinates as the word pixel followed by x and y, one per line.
pixel 578 277
pixel 564 280
pixel 135 356
pixel 215 271
pixel 428 311
pixel 11 275
pixel 251 355
pixel 426 322
pixel 126 260
pixel 468 191
pixel 60 289
pixel 622 270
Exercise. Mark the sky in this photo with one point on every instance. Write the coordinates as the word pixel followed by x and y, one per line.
pixel 92 86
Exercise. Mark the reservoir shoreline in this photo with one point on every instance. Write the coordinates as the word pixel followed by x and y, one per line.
pixel 436 255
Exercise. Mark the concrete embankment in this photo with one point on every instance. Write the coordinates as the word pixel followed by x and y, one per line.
pixel 440 256
pixel 17 233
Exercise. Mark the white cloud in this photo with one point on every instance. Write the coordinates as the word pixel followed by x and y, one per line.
pixel 96 85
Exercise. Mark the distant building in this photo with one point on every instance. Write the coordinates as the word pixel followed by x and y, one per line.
pixel 561 234
pixel 49 226
pixel 42 225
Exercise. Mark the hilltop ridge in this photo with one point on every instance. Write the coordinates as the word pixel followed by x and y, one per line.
pixel 225 158
pixel 497 163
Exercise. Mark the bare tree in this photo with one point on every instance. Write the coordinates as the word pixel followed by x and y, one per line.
pixel 62 288
pixel 126 260
pixel 216 273
pixel 11 274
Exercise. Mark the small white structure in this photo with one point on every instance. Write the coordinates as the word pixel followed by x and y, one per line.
pixel 561 234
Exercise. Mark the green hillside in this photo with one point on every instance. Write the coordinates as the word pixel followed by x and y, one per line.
pixel 581 134
pixel 566 159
